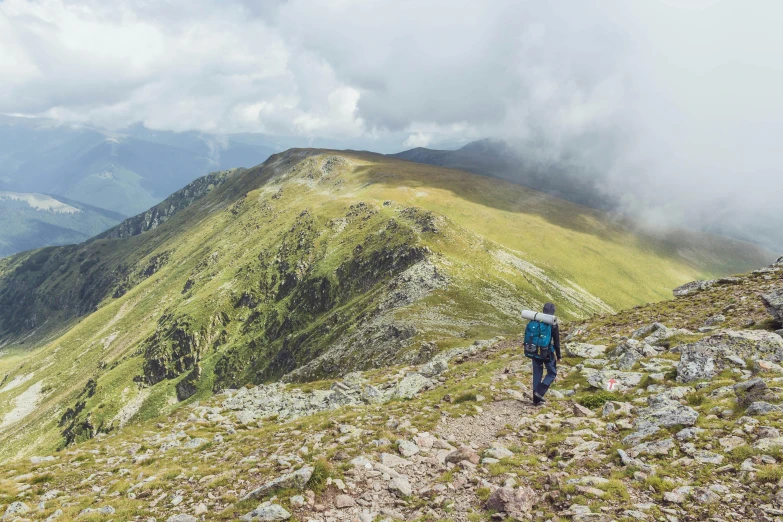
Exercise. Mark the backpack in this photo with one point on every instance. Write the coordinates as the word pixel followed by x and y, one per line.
pixel 538 340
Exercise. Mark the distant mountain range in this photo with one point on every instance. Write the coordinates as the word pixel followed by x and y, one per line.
pixel 30 220
pixel 495 158
pixel 95 170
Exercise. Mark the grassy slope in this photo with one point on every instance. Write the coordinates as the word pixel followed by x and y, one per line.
pixel 220 473
pixel 229 243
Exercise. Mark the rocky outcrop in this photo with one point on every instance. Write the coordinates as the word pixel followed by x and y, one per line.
pixel 706 358
pixel 161 212
pixel 773 301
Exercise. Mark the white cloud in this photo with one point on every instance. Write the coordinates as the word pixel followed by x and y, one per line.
pixel 418 139
pixel 660 100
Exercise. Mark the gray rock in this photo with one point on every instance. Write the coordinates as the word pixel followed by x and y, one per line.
pixel 498 452
pixel 715 319
pixel 40 460
pixel 267 512
pixel 623 380
pixel 760 365
pixel 15 508
pixel 688 434
pixel 344 501
pixel 707 457
pixel 663 411
pixel 752 391
pixel 773 301
pixel 182 518
pixel 516 504
pixel 463 453
pixel 372 395
pixel 433 368
pixel 195 443
pixel 706 358
pixel 296 480
pixel 704 496
pixel 411 385
pixel 692 288
pixel 584 350
pixel 768 444
pixel 407 448
pixel 105 510
pixel 673 497
pixel 761 408
pixel 401 486
pixel 657 447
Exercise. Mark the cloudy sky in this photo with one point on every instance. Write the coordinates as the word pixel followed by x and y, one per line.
pixel 670 103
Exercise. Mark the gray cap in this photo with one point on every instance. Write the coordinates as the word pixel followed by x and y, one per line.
pixel 549 308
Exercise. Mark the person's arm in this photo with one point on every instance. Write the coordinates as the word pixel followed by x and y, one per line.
pixel 556 337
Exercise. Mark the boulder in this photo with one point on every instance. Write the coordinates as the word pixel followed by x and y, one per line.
pixel 773 301
pixel 400 486
pixel 761 408
pixel 760 365
pixel 15 508
pixel 463 453
pixel 768 444
pixel 407 448
pixel 662 410
pixel 344 501
pixel 581 411
pixel 584 350
pixel 433 368
pixel 623 380
pixel 657 447
pixel 267 512
pixel 752 391
pixel 296 480
pixel 498 452
pixel 182 518
pixel 709 356
pixel 516 503
pixel 411 385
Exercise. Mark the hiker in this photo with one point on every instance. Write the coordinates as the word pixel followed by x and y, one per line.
pixel 542 346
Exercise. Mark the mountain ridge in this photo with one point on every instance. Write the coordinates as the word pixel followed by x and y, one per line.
pixel 313 264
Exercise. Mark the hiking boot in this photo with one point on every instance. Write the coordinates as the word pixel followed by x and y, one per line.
pixel 538 399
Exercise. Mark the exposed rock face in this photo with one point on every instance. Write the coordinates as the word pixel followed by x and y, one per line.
pixel 706 358
pixel 774 303
pixel 171 205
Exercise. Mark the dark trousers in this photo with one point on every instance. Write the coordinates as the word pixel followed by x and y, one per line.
pixel 541 386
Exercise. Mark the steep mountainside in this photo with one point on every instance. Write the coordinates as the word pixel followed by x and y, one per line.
pixel 691 430
pixel 311 265
pixel 30 221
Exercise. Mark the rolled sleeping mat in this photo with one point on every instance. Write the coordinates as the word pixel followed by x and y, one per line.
pixel 539 316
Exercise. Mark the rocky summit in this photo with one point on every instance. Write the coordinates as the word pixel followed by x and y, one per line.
pixel 659 412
